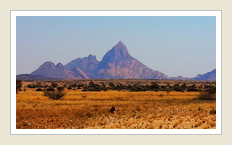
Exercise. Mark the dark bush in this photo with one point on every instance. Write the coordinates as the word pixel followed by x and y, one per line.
pixel 73 85
pixel 168 85
pixel 55 95
pixel 91 89
pixel 137 88
pixel 39 89
pixel 54 85
pixel 154 86
pixel 212 90
pixel 105 89
pixel 205 96
pixel 176 85
pixel 50 89
pixel 178 88
pixel 31 86
pixel 213 111
pixel 192 89
pixel 161 95
pixel 111 85
pixel 94 87
pixel 184 86
pixel 60 89
pixel 91 84
pixel 44 86
pixel 18 85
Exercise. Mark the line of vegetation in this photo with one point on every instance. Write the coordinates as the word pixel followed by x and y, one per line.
pixel 55 91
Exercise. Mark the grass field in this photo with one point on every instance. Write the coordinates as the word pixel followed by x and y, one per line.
pixel 134 110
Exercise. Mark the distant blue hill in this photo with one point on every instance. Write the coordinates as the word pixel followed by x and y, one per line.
pixel 33 77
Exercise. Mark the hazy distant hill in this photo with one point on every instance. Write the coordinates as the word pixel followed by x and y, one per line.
pixel 33 77
pixel 180 78
pixel 210 76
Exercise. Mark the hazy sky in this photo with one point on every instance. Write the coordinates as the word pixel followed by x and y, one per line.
pixel 173 45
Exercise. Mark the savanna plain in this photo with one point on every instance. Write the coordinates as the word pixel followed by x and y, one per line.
pixel 83 108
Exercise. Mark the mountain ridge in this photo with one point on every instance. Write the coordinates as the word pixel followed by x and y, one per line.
pixel 117 63
pixel 209 76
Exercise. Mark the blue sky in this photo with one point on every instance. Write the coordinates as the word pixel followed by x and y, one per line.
pixel 176 46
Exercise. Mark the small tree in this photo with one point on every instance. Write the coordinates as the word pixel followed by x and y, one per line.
pixel 18 85
pixel 184 86
pixel 154 85
pixel 212 90
pixel 60 89
pixel 91 84
pixel 111 85
pixel 55 95
pixel 50 89
pixel 54 85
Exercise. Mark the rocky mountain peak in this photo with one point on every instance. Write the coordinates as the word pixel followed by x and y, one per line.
pixel 92 57
pixel 118 53
pixel 59 65
pixel 117 63
pixel 47 65
pixel 120 45
pixel 120 50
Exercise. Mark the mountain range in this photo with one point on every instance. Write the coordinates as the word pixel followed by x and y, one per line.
pixel 117 63
pixel 209 76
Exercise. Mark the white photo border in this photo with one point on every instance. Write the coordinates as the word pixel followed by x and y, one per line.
pixel 216 131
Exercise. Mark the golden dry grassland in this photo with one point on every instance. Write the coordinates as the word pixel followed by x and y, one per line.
pixel 134 110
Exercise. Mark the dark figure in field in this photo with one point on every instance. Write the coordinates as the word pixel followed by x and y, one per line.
pixel 112 110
